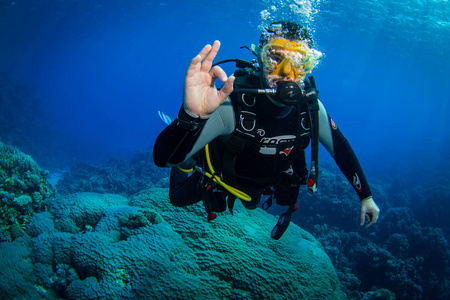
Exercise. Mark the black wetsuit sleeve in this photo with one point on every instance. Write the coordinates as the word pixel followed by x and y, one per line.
pixel 177 139
pixel 347 161
pixel 334 141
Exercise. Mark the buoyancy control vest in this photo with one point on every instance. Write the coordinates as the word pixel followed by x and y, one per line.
pixel 268 141
pixel 265 153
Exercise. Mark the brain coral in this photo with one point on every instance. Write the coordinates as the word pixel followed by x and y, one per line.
pixel 143 248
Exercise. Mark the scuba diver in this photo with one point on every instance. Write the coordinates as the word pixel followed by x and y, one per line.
pixel 247 140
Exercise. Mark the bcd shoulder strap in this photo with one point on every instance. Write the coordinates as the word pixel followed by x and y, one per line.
pixel 312 95
pixel 244 134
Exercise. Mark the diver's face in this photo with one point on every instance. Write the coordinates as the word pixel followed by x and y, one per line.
pixel 286 60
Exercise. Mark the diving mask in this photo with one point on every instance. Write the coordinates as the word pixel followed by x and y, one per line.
pixel 286 59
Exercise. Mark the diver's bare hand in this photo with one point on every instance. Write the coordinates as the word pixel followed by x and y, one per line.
pixel 200 95
pixel 369 212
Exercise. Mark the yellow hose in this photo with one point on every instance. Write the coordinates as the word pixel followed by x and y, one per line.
pixel 240 194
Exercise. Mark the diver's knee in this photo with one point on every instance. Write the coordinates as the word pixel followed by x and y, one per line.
pixel 178 199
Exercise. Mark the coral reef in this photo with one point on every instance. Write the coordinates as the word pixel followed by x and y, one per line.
pixel 399 254
pixel 103 244
pixel 117 176
pixel 23 191
pixel 427 200
pixel 166 253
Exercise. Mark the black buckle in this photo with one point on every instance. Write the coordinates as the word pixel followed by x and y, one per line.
pixel 268 203
pixel 187 125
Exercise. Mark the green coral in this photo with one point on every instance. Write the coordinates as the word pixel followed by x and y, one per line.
pixel 23 189
pixel 23 200
pixel 140 219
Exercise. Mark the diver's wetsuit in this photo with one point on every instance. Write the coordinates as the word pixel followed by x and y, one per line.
pixel 186 136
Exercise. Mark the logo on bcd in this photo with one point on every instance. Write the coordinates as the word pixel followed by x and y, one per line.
pixel 286 151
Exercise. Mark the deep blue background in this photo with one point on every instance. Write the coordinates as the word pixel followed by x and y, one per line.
pixel 104 68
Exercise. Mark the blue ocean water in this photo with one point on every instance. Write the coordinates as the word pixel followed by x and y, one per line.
pixel 104 68
pixel 98 72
